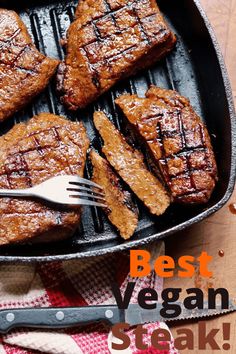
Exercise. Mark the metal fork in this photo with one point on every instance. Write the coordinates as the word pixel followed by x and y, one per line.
pixel 66 190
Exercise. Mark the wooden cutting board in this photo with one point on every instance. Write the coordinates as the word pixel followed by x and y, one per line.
pixel 217 234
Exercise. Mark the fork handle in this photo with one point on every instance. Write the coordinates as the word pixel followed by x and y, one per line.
pixel 17 193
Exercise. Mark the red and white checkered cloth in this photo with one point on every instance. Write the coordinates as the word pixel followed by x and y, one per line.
pixel 73 283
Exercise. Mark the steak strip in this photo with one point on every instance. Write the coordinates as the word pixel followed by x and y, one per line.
pixel 121 211
pixel 129 164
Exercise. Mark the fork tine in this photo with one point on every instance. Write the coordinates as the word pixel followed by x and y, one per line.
pixel 84 189
pixel 79 194
pixel 78 201
pixel 82 181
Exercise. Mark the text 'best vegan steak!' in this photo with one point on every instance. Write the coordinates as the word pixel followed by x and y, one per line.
pixel 178 141
pixel 24 71
pixel 32 152
pixel 129 164
pixel 108 41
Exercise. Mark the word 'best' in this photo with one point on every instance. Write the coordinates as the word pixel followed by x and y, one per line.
pixel 141 265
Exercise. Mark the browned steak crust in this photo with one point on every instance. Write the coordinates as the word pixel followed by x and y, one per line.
pixel 178 140
pixel 24 72
pixel 45 146
pixel 121 210
pixel 110 40
pixel 129 164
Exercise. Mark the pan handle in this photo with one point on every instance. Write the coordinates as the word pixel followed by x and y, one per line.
pixel 58 317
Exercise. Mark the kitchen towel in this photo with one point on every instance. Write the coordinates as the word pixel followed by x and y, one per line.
pixel 71 283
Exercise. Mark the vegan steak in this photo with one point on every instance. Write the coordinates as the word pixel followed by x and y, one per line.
pixel 178 141
pixel 108 41
pixel 32 152
pixel 24 71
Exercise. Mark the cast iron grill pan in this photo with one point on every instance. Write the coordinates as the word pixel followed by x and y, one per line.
pixel 194 69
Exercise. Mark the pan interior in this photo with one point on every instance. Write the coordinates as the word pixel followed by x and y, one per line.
pixel 192 69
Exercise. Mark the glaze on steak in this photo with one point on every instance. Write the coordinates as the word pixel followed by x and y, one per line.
pixel 129 164
pixel 24 72
pixel 45 146
pixel 178 140
pixel 108 41
pixel 121 210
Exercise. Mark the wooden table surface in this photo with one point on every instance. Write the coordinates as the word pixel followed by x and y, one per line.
pixel 219 231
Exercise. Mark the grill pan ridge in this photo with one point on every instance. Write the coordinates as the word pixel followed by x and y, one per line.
pixel 195 69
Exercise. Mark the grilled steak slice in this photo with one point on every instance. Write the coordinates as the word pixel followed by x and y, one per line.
pixel 24 72
pixel 178 140
pixel 32 152
pixel 129 164
pixel 108 41
pixel 121 210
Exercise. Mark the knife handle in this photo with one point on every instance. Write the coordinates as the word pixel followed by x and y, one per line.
pixel 57 317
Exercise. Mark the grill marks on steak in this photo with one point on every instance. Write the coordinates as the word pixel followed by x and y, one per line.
pixel 129 164
pixel 178 141
pixel 24 71
pixel 110 40
pixel 32 152
pixel 121 210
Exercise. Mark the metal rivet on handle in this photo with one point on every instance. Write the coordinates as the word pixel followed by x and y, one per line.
pixel 10 317
pixel 60 315
pixel 109 313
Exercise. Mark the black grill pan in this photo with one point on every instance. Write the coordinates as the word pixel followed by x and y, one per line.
pixel 195 68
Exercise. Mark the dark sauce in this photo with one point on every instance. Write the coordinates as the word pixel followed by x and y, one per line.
pixel 221 253
pixel 232 208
